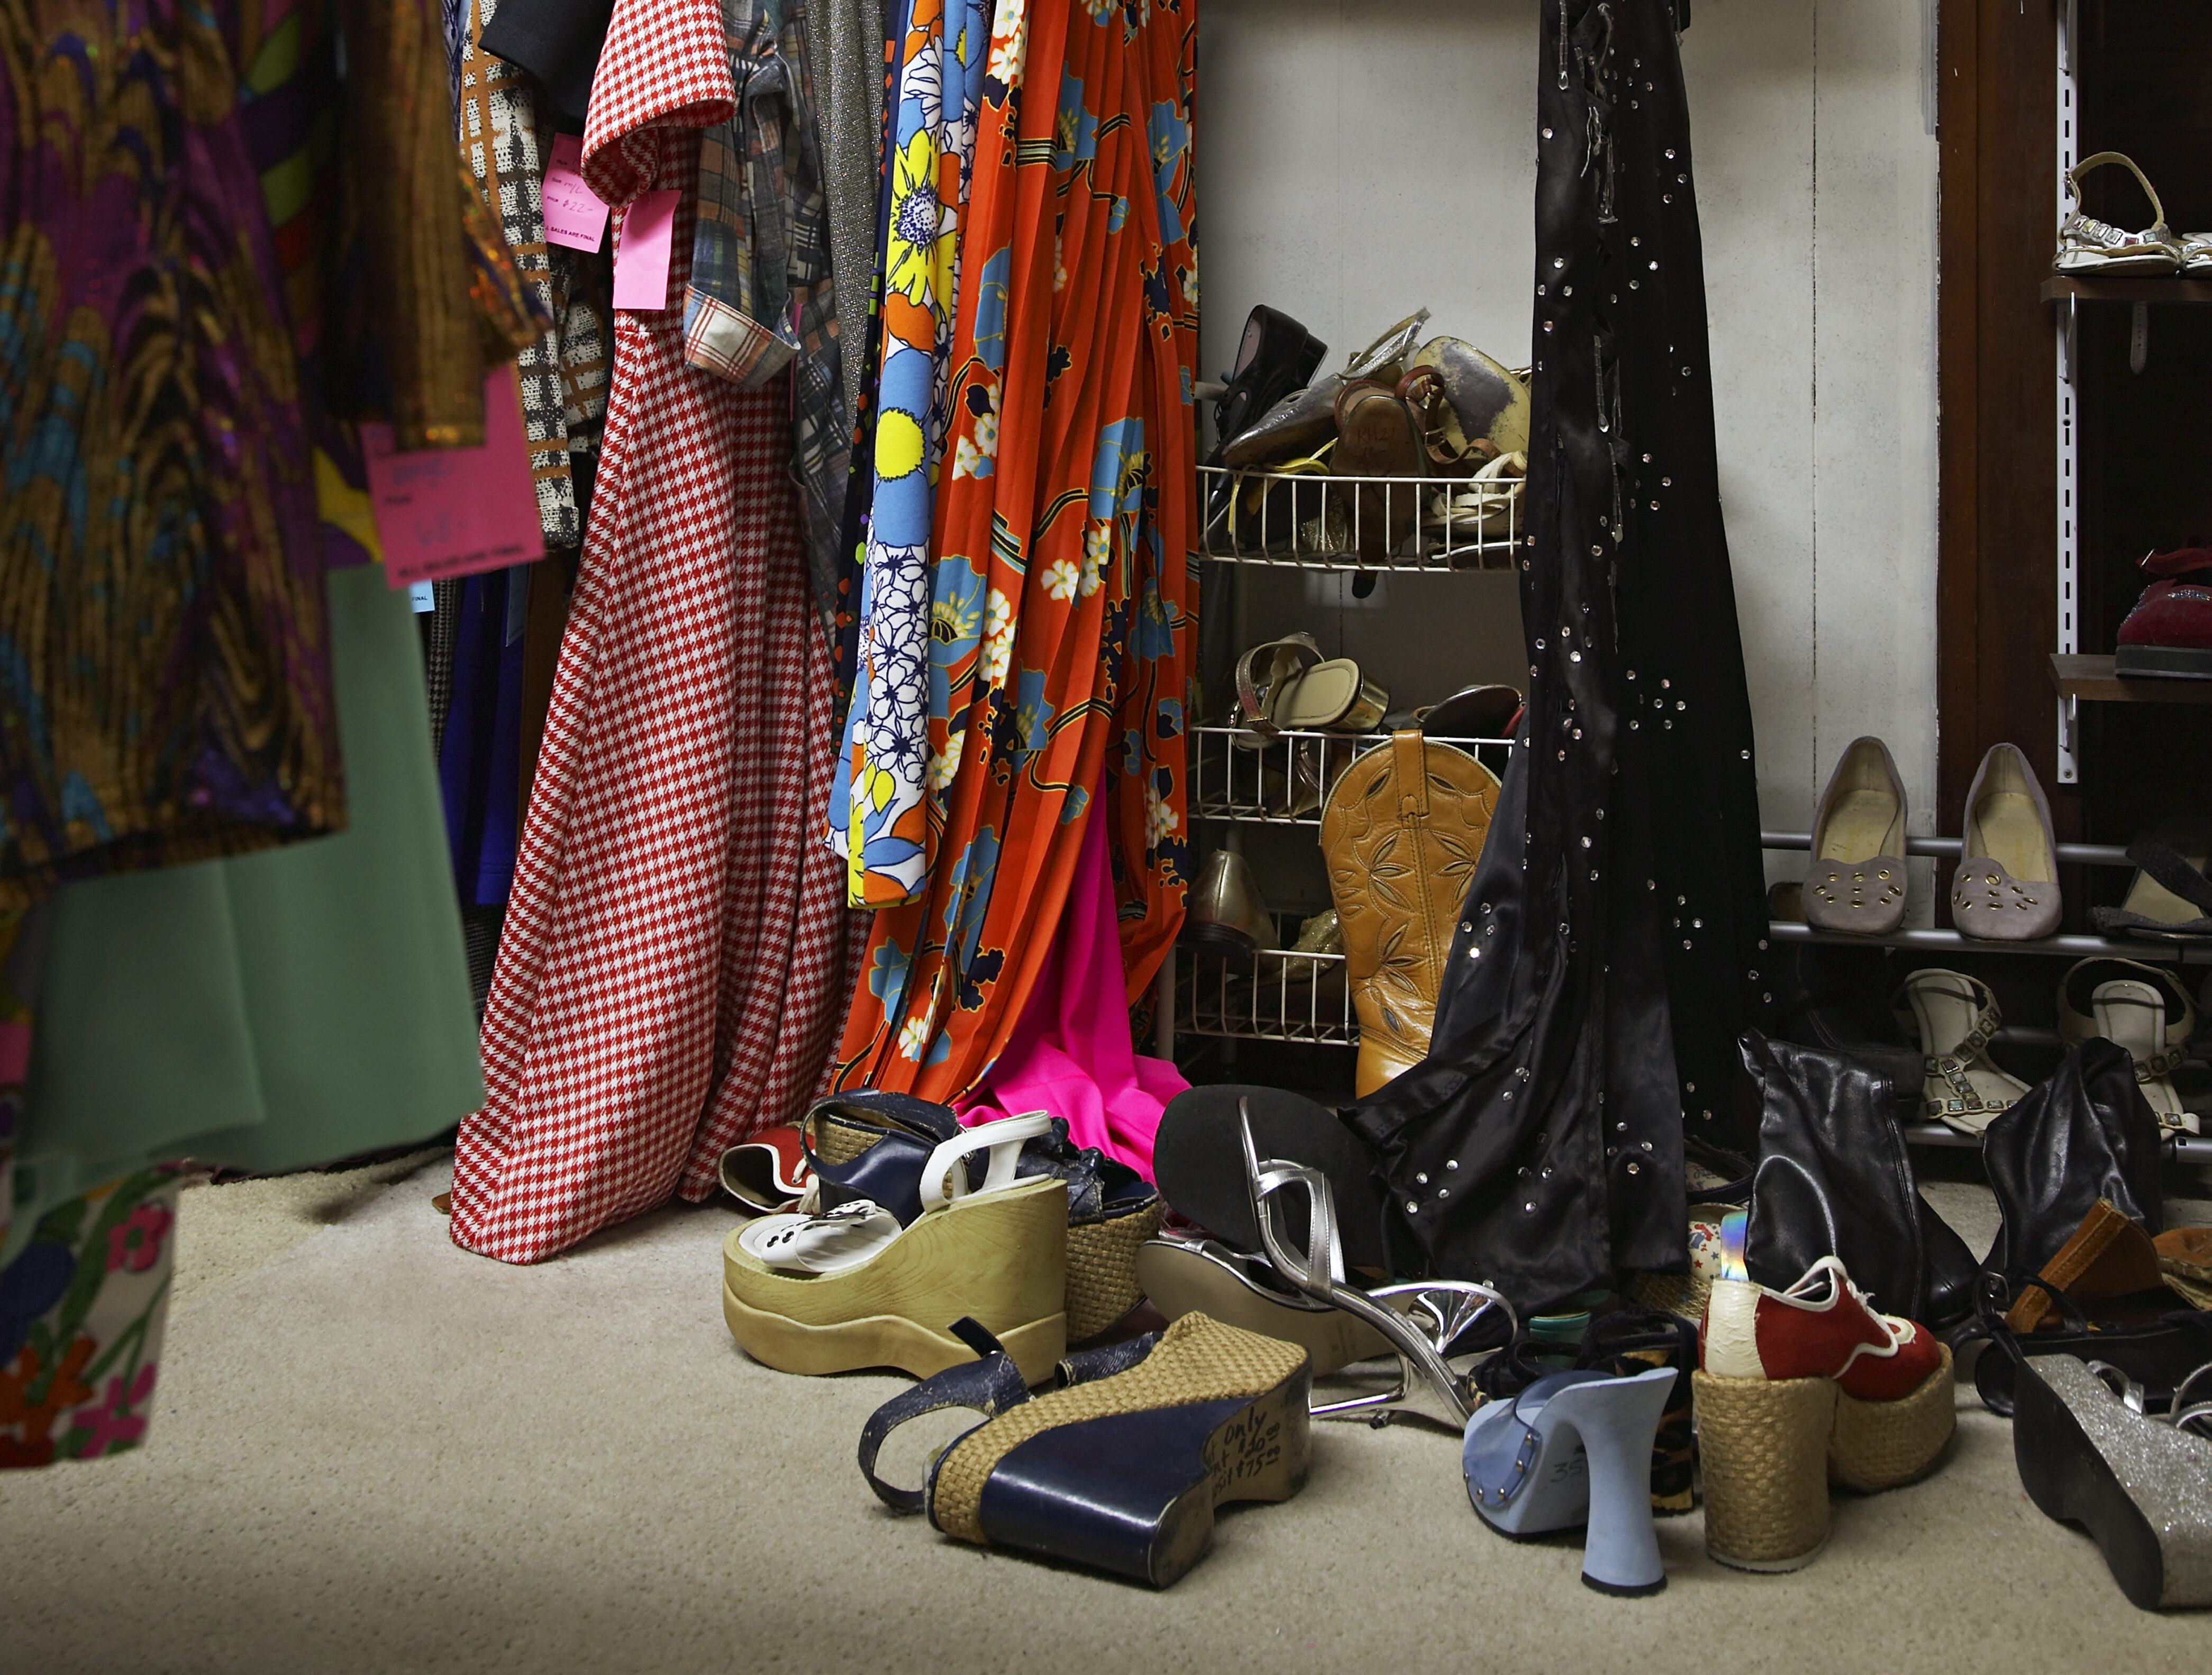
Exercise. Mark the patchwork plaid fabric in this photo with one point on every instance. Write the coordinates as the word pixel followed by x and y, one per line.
pixel 761 297
pixel 497 116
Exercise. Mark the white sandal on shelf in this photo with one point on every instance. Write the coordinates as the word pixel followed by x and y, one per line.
pixel 2087 246
pixel 1956 1016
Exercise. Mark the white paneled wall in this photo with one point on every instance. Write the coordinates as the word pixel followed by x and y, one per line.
pixel 1362 158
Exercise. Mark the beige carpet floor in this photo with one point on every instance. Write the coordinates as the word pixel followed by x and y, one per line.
pixel 374 1452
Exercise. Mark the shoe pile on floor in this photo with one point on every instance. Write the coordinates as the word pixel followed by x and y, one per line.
pixel 886 1235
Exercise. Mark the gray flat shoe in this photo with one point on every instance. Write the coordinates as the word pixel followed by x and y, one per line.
pixel 2006 889
pixel 1857 881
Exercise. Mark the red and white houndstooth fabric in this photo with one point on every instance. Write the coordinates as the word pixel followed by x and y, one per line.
pixel 672 972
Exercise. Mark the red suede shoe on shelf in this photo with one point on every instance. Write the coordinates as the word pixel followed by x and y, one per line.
pixel 2168 635
pixel 1802 1388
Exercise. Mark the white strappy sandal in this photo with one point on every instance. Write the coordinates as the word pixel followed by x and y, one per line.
pixel 2088 246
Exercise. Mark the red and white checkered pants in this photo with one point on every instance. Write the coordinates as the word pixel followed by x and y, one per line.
pixel 672 970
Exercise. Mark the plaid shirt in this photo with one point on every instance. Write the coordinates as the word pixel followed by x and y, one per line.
pixel 760 298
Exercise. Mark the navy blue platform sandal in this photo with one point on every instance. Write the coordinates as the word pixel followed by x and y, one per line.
pixel 1121 1466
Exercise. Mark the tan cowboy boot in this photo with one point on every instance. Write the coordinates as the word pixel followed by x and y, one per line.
pixel 1401 833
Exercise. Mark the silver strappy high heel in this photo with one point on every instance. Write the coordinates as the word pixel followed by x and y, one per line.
pixel 1420 1319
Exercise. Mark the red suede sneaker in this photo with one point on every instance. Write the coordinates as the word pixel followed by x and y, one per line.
pixel 1821 1327
pixel 2169 633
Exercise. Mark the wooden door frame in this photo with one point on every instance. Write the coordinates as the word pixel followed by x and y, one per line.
pixel 1996 364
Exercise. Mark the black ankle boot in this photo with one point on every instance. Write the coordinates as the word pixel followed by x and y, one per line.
pixel 1834 1178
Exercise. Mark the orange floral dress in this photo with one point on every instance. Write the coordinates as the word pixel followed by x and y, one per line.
pixel 1062 603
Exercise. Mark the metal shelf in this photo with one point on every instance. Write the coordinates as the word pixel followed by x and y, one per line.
pixel 1240 777
pixel 1950 942
pixel 1270 996
pixel 1315 522
pixel 1943 848
pixel 2187 1148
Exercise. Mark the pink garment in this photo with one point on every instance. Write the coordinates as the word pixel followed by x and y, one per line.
pixel 1071 1054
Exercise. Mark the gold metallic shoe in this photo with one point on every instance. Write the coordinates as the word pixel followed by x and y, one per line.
pixel 1226 914
pixel 1401 834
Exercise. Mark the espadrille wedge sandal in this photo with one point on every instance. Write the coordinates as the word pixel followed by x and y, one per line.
pixel 1121 1468
pixel 872 1145
pixel 851 1289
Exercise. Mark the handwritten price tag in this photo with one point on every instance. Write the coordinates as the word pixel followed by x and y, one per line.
pixel 453 512
pixel 573 216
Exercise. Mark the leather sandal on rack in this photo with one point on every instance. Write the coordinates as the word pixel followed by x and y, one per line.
pixel 2006 888
pixel 2144 1009
pixel 1956 1017
pixel 1227 915
pixel 1426 1322
pixel 1379 442
pixel 1286 686
pixel 2087 246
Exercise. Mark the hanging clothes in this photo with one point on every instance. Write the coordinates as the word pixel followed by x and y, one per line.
pixel 760 298
pixel 274 1012
pixel 501 138
pixel 165 696
pixel 880 820
pixel 1606 962
pixel 1059 629
pixel 1071 1053
pixel 847 38
pixel 672 966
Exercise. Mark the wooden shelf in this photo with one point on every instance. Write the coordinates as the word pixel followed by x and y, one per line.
pixel 2129 287
pixel 2092 680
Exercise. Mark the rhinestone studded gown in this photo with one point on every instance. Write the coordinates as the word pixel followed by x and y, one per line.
pixel 1604 963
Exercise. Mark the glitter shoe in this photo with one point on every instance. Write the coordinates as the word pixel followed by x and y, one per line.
pixel 2140 1485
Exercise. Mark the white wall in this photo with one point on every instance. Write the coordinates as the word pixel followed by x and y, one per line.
pixel 1361 158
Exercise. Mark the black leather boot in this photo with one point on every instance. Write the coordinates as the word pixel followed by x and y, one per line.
pixel 2084 1133
pixel 1833 1179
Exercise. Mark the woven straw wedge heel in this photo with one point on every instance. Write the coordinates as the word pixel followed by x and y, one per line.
pixel 1763 1444
pixel 1769 1449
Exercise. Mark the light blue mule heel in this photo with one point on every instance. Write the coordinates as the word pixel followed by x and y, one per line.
pixel 1575 1449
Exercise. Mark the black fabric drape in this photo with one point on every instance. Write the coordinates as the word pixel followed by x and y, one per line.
pixel 1609 950
pixel 558 42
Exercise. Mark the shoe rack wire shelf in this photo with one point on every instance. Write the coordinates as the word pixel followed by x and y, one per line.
pixel 1271 995
pixel 2187 1148
pixel 1239 776
pixel 1312 522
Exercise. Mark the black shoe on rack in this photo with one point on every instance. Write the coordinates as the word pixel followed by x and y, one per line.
pixel 1276 356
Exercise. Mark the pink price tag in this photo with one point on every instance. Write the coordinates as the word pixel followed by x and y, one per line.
pixel 643 251
pixel 452 512
pixel 573 214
